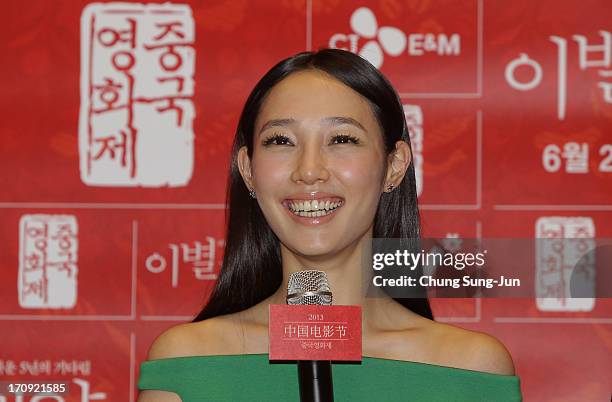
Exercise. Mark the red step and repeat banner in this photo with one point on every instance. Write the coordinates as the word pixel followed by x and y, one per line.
pixel 116 132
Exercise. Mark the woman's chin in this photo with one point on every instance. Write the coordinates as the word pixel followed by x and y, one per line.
pixel 313 251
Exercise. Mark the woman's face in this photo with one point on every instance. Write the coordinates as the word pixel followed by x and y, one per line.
pixel 317 165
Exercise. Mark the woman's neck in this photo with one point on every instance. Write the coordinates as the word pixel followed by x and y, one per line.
pixel 347 270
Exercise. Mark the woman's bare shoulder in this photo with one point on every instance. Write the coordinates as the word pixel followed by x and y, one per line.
pixel 467 349
pixel 209 337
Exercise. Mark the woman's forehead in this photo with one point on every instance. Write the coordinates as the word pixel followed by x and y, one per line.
pixel 312 95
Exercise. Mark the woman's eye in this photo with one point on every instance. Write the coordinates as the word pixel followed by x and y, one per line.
pixel 277 139
pixel 344 139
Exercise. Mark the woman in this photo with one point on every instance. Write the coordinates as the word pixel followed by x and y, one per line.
pixel 321 164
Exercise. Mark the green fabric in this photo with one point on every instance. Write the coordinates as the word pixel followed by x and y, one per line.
pixel 253 378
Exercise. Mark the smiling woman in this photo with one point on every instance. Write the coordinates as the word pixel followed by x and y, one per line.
pixel 314 158
pixel 321 164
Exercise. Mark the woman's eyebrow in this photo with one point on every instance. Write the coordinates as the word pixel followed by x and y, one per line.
pixel 339 120
pixel 331 121
pixel 276 123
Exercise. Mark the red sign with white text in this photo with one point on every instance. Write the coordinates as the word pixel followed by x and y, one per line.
pixel 109 239
pixel 311 332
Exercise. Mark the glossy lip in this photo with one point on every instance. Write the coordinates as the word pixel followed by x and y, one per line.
pixel 313 195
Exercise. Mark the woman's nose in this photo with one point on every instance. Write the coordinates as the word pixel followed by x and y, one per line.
pixel 311 167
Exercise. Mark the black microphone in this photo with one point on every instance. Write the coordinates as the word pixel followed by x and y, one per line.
pixel 314 376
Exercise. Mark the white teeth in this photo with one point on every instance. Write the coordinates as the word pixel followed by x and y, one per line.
pixel 313 214
pixel 313 208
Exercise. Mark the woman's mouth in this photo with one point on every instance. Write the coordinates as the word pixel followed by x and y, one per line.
pixel 313 208
pixel 313 211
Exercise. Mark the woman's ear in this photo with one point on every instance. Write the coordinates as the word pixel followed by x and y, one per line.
pixel 244 166
pixel 397 164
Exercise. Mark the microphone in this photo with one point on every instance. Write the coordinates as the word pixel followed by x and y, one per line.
pixel 314 377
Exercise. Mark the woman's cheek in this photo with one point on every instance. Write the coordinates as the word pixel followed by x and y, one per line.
pixel 270 173
pixel 360 176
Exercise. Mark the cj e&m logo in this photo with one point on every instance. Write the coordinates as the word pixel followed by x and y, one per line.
pixel 374 43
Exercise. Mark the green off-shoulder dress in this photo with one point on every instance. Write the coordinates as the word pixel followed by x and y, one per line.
pixel 236 378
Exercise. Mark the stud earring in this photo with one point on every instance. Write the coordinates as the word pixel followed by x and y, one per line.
pixel 390 187
pixel 252 193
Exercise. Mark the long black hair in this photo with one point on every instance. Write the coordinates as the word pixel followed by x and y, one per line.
pixel 252 268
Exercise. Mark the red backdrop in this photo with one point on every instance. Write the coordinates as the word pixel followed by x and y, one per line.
pixel 113 183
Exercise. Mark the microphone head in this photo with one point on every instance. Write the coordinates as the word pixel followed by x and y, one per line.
pixel 309 287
